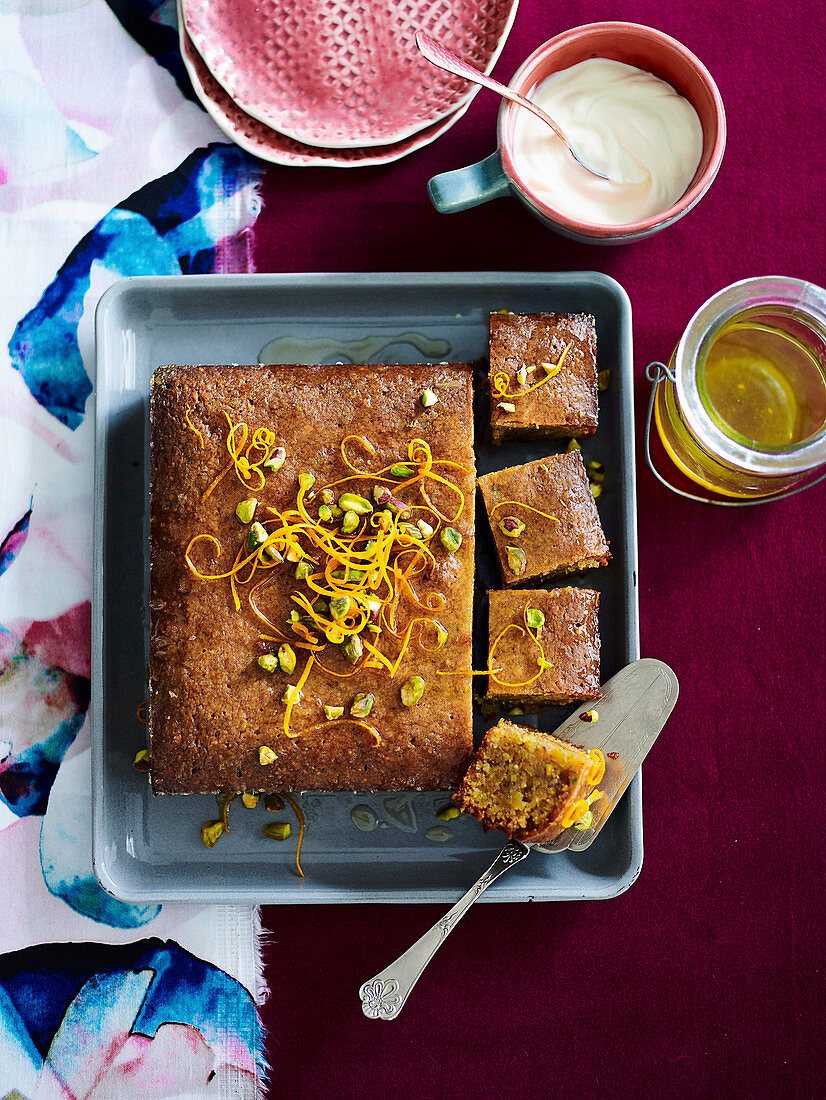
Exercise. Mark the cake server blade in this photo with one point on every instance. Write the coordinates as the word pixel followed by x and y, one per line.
pixel 633 708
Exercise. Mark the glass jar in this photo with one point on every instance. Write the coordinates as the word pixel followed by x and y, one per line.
pixel 742 408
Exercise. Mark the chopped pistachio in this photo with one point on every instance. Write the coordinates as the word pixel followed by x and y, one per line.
pixel 604 379
pixel 274 803
pixel 381 494
pixel 374 609
pixel 535 618
pixel 552 368
pixel 306 481
pixel 278 830
pixel 326 496
pixel 286 659
pixel 249 800
pixel 349 523
pixel 352 502
pixel 352 576
pixel 514 711
pixel 511 527
pixel 303 570
pixel 337 512
pixel 293 616
pixel 507 406
pixel 210 831
pixel 141 761
pixel 256 536
pixel 441 634
pixel 334 634
pixel 409 529
pixel 450 538
pixel 573 445
pixel 402 470
pixel 332 713
pixel 429 398
pixel 266 756
pixel 596 471
pixel 269 662
pixel 294 553
pixel 596 489
pixel 271 551
pixel 589 716
pixel 543 665
pixel 517 560
pixel 362 704
pixel 522 376
pixel 412 691
pixel 291 694
pixel 585 822
pixel 339 607
pixel 353 649
pixel 245 509
pixel 425 528
pixel 321 607
pixel 276 459
pixel 448 813
pixel 325 513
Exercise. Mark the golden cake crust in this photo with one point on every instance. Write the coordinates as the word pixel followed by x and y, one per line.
pixel 558 486
pixel 567 405
pixel 211 706
pixel 570 641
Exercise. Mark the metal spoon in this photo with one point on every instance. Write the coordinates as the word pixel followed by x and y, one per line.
pixel 444 58
pixel 633 709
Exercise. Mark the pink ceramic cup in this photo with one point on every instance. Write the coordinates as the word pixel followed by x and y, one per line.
pixel 634 44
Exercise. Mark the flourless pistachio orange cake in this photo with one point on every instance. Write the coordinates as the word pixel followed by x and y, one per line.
pixel 530 784
pixel 311 577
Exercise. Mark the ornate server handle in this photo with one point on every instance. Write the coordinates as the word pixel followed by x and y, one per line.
pixel 383 997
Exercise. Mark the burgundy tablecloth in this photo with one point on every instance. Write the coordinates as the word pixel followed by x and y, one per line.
pixel 706 977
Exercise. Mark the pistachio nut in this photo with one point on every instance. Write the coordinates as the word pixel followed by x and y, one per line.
pixel 450 538
pixel 362 704
pixel 517 560
pixel 352 502
pixel 266 756
pixel 535 618
pixel 350 522
pixel 286 659
pixel 353 649
pixel 249 800
pixel 402 470
pixel 210 831
pixel 278 830
pixel 511 527
pixel 331 713
pixel 412 691
pixel 245 509
pixel 256 536
pixel 276 459
pixel 429 399
pixel 269 662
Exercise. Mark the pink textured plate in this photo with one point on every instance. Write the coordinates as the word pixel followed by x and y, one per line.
pixel 344 73
pixel 268 144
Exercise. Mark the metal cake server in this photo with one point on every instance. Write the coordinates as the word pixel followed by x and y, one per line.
pixel 633 708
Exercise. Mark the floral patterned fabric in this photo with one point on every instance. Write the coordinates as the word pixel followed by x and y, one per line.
pixel 107 169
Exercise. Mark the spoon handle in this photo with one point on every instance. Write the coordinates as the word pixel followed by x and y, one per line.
pixel 439 55
pixel 383 997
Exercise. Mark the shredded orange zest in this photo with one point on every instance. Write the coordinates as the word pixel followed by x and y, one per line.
pixel 501 381
pixel 295 695
pixel 574 812
pixel 300 818
pixel 599 766
pixel 363 588
pixel 142 713
pixel 225 804
pixel 192 427
pixel 521 504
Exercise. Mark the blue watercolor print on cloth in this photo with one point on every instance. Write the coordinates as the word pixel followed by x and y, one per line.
pixel 165 228
pixel 90 1014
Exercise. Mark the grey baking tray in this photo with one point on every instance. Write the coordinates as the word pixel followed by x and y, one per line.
pixel 149 849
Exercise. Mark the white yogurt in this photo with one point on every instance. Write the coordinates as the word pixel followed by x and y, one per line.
pixel 627 123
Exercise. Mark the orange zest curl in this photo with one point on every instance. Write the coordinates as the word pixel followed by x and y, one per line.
pixel 246 459
pixel 599 767
pixel 142 713
pixel 501 381
pixel 301 826
pixel 574 812
pixel 521 504
pixel 192 427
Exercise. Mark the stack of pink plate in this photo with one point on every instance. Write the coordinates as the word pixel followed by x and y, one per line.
pixel 335 82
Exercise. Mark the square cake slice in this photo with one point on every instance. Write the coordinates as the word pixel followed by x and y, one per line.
pixel 555 659
pixel 312 562
pixel 529 784
pixel 544 519
pixel 543 375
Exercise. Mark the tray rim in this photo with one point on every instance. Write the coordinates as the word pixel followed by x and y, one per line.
pixel 301 892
